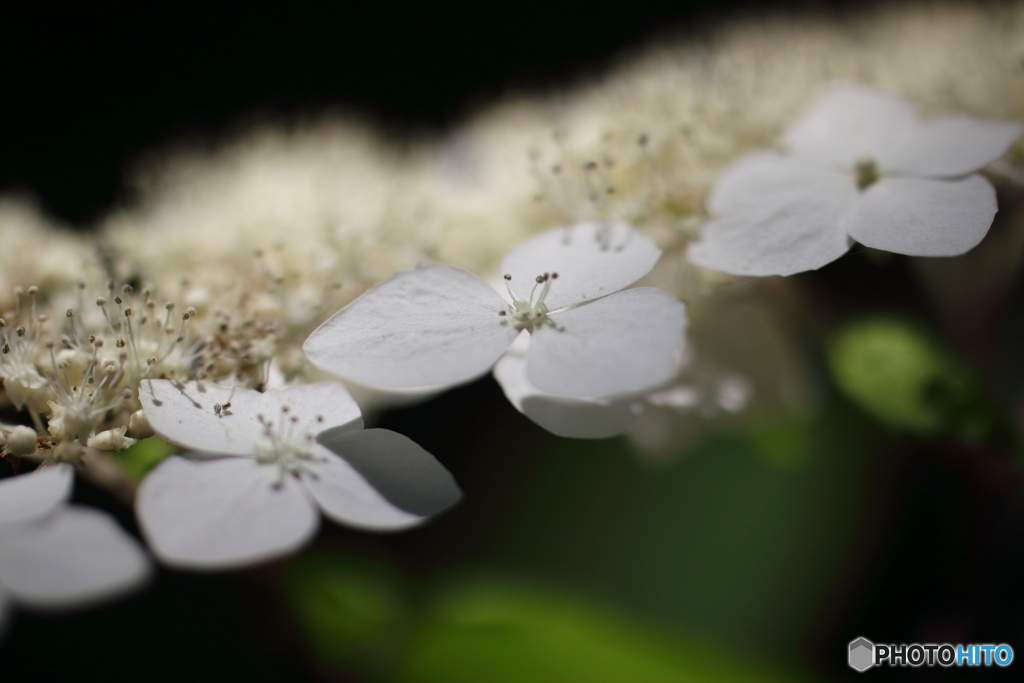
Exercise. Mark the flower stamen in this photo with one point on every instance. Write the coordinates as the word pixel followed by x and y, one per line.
pixel 529 313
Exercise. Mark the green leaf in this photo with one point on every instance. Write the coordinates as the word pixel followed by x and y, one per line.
pixel 897 374
pixel 784 443
pixel 350 611
pixel 139 459
pixel 505 634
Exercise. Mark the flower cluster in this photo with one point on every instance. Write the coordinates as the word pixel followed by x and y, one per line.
pixel 193 314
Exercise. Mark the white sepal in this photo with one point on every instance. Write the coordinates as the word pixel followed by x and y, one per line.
pixel 435 324
pixel 922 216
pixel 592 260
pixel 223 514
pixel 395 482
pixel 848 123
pixel 575 418
pixel 35 495
pixel 620 344
pixel 953 146
pixel 194 415
pixel 76 556
pixel 775 215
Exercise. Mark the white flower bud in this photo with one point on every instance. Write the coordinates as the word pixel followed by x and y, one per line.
pixel 111 440
pixel 138 425
pixel 21 441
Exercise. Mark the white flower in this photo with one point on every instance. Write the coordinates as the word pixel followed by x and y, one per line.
pixel 287 454
pixel 54 555
pixel 860 165
pixel 438 324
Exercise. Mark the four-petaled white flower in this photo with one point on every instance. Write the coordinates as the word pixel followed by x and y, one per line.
pixel 860 165
pixel 438 325
pixel 279 458
pixel 54 555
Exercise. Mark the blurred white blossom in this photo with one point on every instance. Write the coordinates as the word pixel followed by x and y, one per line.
pixel 858 165
pixel 54 555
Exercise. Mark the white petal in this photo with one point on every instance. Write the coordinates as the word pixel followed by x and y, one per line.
pixel 222 514
pixel 435 324
pixel 592 260
pixel 77 555
pixel 850 123
pixel 398 468
pixel 923 217
pixel 619 344
pixel 381 481
pixel 778 216
pixel 576 418
pixel 36 494
pixel 185 415
pixel 952 146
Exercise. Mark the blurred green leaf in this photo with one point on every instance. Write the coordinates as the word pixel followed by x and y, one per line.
pixel 350 611
pixel 785 443
pixel 897 374
pixel 139 459
pixel 503 634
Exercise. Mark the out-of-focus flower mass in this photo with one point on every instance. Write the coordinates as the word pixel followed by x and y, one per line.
pixel 583 245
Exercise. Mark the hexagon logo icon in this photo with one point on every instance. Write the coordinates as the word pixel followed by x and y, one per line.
pixel 862 654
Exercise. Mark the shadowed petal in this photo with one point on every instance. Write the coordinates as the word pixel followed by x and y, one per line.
pixel 923 217
pixel 184 413
pixel 5 609
pixel 223 514
pixel 619 344
pixel 435 324
pixel 952 146
pixel 576 418
pixel 779 216
pixel 381 481
pixel 849 123
pixel 592 260
pixel 36 494
pixel 76 556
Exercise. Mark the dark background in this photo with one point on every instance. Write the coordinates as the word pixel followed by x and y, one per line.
pixel 84 90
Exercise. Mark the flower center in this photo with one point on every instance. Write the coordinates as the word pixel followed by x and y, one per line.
pixel 865 173
pixel 286 444
pixel 531 312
